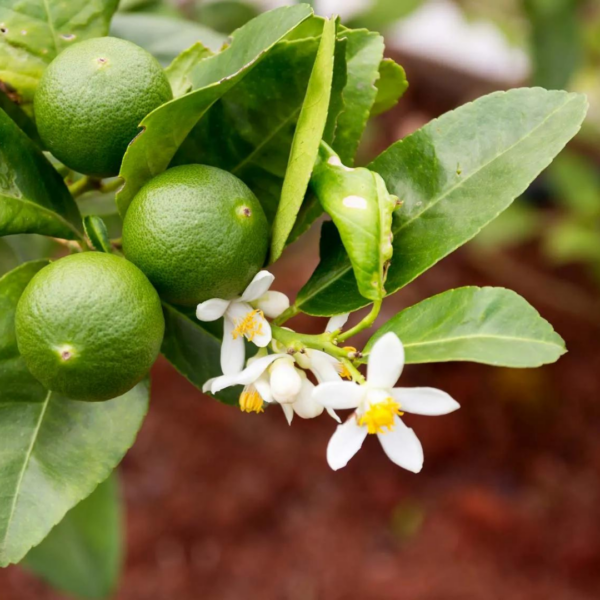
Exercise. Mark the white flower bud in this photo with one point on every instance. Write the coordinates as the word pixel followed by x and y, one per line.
pixel 285 380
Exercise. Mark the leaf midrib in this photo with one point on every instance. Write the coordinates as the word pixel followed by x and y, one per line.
pixel 481 336
pixel 28 456
pixel 458 184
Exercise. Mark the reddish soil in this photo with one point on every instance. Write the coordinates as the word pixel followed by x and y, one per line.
pixel 224 505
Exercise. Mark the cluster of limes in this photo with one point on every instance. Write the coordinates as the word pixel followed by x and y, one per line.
pixel 90 325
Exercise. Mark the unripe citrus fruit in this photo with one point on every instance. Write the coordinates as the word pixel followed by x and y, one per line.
pixel 91 99
pixel 89 326
pixel 197 232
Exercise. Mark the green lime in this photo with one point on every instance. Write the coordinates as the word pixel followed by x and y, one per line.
pixel 91 99
pixel 89 326
pixel 197 232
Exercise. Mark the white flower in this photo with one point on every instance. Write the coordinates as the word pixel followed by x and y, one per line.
pixel 244 317
pixel 379 406
pixel 271 378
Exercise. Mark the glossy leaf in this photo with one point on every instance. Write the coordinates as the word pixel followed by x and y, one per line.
pixel 249 132
pixel 164 37
pixel 35 31
pixel 33 197
pixel 494 326
pixel 361 209
pixel 167 127
pixel 179 70
pixel 364 51
pixel 307 137
pixel 55 450
pixel 83 554
pixel 453 177
pixel 391 85
pixel 20 117
pixel 193 349
pixel 96 230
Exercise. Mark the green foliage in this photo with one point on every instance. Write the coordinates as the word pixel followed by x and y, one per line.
pixel 83 554
pixel 361 209
pixel 193 348
pixel 96 230
pixel 55 450
pixel 167 127
pixel 364 51
pixel 556 41
pixel 454 176
pixel 225 15
pixel 164 37
pixel 307 137
pixel 33 197
pixel 486 325
pixel 391 85
pixel 178 72
pixel 35 31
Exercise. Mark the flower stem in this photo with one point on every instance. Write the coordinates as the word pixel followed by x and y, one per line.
pixel 292 311
pixel 297 342
pixel 364 324
pixel 357 376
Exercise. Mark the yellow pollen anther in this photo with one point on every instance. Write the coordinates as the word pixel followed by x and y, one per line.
pixel 248 326
pixel 343 371
pixel 250 401
pixel 380 416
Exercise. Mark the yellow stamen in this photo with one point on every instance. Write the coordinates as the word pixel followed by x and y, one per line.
pixel 250 401
pixel 380 416
pixel 342 369
pixel 248 326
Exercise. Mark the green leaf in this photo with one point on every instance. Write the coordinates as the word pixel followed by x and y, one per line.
pixel 381 14
pixel 35 31
pixel 391 85
pixel 249 131
pixel 96 230
pixel 83 554
pixel 225 15
pixel 18 115
pixel 485 325
pixel 179 70
pixel 33 197
pixel 164 130
pixel 361 209
pixel 193 349
pixel 454 176
pixel 55 450
pixel 364 51
pixel 307 137
pixel 16 383
pixel 556 41
pixel 164 37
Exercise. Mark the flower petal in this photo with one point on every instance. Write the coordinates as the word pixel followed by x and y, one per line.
pixel 249 375
pixel 345 443
pixel 339 394
pixel 233 351
pixel 286 381
pixel 273 304
pixel 424 401
pixel 258 286
pixel 333 415
pixel 211 310
pixel 323 366
pixel 336 322
pixel 263 387
pixel 305 406
pixel 402 446
pixel 208 384
pixel 386 361
pixel 262 339
pixel 288 411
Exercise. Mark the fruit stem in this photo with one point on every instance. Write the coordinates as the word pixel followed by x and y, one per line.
pixel 83 185
pixel 364 324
